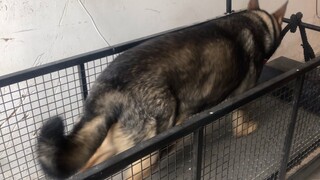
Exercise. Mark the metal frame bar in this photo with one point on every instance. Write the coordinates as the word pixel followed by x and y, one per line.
pixel 101 53
pixel 80 59
pixel 306 25
pixel 291 127
pixel 307 169
pixel 83 80
pixel 197 152
pixel 229 6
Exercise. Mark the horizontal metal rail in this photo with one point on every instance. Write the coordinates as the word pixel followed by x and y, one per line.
pixel 93 55
pixel 116 163
pixel 306 25
pixel 80 59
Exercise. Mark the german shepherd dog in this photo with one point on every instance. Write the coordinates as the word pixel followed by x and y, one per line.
pixel 159 84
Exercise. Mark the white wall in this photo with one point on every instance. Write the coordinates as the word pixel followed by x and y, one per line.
pixel 35 32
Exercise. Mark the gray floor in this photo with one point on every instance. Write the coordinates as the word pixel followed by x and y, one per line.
pixel 315 175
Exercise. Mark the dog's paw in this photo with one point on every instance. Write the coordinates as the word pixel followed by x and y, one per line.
pixel 245 128
pixel 241 125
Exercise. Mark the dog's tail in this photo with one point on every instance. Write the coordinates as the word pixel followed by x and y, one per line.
pixel 63 155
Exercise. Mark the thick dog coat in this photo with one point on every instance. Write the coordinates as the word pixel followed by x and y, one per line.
pixel 159 84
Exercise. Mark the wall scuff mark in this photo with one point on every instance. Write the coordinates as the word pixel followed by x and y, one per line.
pixel 63 12
pixel 93 22
pixel 7 39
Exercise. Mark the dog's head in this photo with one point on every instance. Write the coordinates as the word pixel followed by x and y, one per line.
pixel 273 22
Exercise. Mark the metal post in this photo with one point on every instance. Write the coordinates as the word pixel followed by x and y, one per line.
pixel 83 80
pixel 291 127
pixel 229 6
pixel 197 153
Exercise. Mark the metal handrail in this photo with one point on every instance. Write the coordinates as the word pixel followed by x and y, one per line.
pixel 81 58
pixel 116 163
pixel 93 55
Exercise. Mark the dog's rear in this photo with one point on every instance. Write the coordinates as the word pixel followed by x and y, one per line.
pixel 61 156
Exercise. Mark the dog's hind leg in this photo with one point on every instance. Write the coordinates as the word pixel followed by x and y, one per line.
pixel 104 152
pixel 242 124
pixel 143 167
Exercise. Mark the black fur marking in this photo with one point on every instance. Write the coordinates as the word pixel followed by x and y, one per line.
pixel 53 129
pixel 50 142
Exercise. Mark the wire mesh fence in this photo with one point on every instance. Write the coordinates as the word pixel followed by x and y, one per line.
pixel 307 132
pixel 253 156
pixel 24 105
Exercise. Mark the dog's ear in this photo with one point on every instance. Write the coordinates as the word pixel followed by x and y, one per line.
pixel 279 14
pixel 253 5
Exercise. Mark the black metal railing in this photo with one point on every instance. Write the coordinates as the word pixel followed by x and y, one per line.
pixel 196 124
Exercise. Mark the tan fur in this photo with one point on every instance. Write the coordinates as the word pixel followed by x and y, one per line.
pixel 241 124
pixel 253 5
pixel 88 128
pixel 105 151
pixel 279 14
pixel 115 142
pixel 142 168
pixel 118 141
